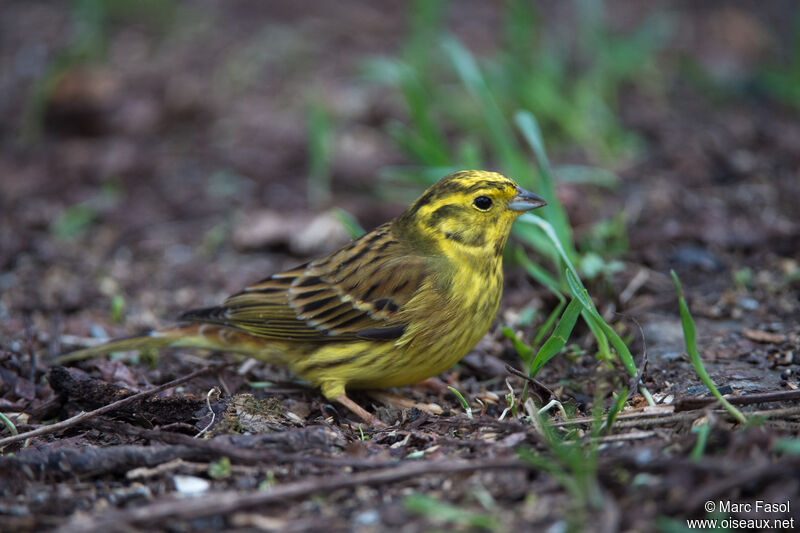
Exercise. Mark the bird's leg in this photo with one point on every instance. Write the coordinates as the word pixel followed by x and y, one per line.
pixel 362 413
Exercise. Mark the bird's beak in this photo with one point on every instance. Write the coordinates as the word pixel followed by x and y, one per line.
pixel 525 201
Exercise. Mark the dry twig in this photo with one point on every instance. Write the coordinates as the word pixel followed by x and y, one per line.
pixel 688 404
pixel 229 501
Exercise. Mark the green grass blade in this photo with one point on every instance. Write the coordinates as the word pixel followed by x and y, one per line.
pixel 544 329
pixel 579 291
pixel 547 228
pixel 9 424
pixel 699 449
pixel 553 211
pixel 596 322
pixel 462 400
pixel 529 126
pixel 620 397
pixel 498 131
pixel 558 339
pixel 690 337
pixel 540 242
pixel 524 351
pixel 596 327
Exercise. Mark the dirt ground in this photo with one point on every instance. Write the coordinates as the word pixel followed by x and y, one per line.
pixel 173 171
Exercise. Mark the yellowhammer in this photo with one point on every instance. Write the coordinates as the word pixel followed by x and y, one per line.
pixel 401 304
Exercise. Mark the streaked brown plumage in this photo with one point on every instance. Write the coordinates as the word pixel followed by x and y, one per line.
pixel 401 304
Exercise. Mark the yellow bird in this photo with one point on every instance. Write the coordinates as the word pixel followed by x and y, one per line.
pixel 401 304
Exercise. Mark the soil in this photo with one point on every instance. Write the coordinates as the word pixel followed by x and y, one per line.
pixel 169 170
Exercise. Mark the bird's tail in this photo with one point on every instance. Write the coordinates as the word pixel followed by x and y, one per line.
pixel 205 336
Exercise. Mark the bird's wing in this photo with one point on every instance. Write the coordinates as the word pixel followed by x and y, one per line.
pixel 355 292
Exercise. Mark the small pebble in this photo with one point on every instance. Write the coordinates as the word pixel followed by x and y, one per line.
pixel 696 257
pixel 367 518
pixel 191 485
pixel 670 356
pixel 97 331
pixel 754 359
pixel 644 456
pixel 558 527
pixel 748 304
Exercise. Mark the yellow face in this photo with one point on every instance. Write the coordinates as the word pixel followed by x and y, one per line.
pixel 468 212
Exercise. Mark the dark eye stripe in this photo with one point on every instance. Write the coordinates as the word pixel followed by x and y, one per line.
pixel 444 189
pixel 446 211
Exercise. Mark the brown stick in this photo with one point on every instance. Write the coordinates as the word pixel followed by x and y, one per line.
pixel 542 391
pixel 640 420
pixel 229 501
pixel 84 416
pixel 219 447
pixel 688 404
pixel 637 379
pixel 69 463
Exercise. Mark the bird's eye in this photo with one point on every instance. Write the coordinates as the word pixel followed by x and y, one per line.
pixel 482 202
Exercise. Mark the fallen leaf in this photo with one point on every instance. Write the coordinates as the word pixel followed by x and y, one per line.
pixel 764 337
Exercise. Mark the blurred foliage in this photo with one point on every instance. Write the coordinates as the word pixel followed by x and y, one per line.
pixel 569 81
pixel 73 222
pixel 775 77
pixel 92 22
pixel 781 79
pixel 444 513
pixel 570 85
pixel 572 82
pixel 320 133
pixel 76 220
pixel 219 470
pixel 571 459
pixel 117 311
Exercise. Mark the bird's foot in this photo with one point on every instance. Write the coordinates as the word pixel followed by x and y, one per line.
pixel 362 413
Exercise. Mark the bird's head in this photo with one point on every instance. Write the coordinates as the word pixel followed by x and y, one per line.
pixel 470 211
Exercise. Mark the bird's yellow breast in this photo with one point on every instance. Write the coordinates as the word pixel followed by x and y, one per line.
pixel 447 317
